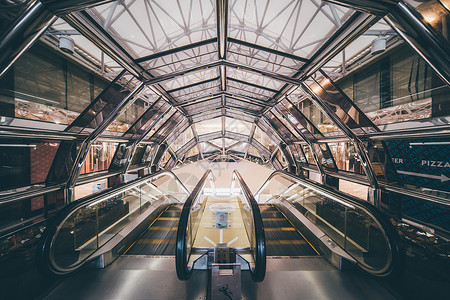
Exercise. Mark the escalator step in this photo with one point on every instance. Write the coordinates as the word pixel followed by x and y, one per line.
pixel 286 242
pixel 156 241
pixel 163 228
pixel 160 237
pixel 279 229
pixel 282 239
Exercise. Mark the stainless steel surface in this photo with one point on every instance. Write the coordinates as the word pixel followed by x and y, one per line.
pixel 225 281
pixel 23 33
pixel 428 43
pixel 150 277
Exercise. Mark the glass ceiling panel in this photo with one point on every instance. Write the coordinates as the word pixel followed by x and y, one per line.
pixel 161 122
pixel 205 116
pixel 254 78
pixel 252 151
pixel 147 27
pixel 190 78
pixel 167 127
pixel 200 90
pixel 207 148
pixel 282 130
pixel 267 128
pixel 228 142
pixel 192 152
pixel 182 60
pixel 203 106
pixel 217 143
pixel 241 147
pixel 286 125
pixel 296 27
pixel 231 102
pixel 239 89
pixel 262 59
pixel 209 126
pixel 238 126
pixel 235 114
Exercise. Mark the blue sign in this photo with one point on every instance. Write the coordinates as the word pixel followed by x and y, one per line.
pixel 424 163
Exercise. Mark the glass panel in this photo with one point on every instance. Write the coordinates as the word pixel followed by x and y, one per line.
pixel 365 240
pixel 264 60
pixel 47 85
pixel 238 126
pixel 25 162
pixel 346 157
pixel 308 154
pixel 312 112
pixel 195 218
pixel 393 84
pixel 264 139
pixel 99 157
pixel 138 154
pixel 352 228
pixel 355 189
pixel 209 126
pixel 96 222
pixel 148 27
pixel 276 24
pixel 182 139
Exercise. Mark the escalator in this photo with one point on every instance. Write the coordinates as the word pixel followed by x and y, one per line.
pixel 282 238
pixel 160 236
pixel 101 227
pixel 298 224
pixel 304 218
pixel 232 225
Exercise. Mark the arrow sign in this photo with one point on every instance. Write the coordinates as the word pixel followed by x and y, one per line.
pixel 441 177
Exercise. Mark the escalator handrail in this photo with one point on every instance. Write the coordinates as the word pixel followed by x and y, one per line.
pixel 259 272
pixel 388 230
pixel 43 257
pixel 181 254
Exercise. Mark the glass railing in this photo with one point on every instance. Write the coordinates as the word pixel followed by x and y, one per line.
pixel 85 225
pixel 356 226
pixel 253 224
pixel 190 218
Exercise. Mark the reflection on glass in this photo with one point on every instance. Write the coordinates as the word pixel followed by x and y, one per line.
pixel 346 157
pixel 308 154
pixel 99 157
pixel 435 13
pixel 315 115
pixel 92 225
pixel 352 228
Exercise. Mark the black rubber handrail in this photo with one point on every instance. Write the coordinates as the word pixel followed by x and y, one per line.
pixel 182 255
pixel 43 257
pixel 259 253
pixel 395 260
